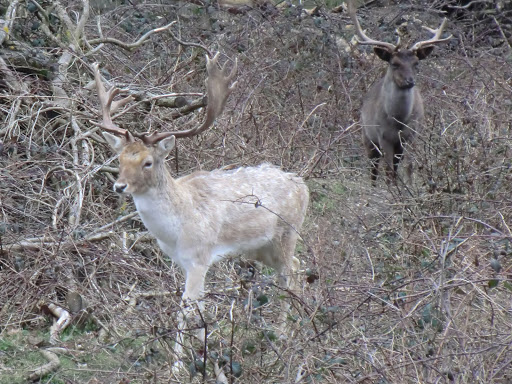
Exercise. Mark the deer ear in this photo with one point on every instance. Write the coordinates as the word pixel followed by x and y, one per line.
pixel 117 143
pixel 166 145
pixel 422 53
pixel 383 53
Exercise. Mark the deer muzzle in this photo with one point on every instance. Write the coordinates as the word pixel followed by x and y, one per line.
pixel 120 187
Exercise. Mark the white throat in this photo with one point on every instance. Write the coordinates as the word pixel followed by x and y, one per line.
pixel 158 214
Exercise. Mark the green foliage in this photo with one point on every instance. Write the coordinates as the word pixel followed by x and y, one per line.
pixel 249 347
pixel 268 335
pixel 261 299
pixel 432 316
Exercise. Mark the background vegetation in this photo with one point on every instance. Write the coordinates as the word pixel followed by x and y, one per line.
pixel 399 283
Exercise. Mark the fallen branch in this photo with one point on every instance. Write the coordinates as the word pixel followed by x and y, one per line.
pixel 52 365
pixel 219 374
pixel 64 318
pixel 47 241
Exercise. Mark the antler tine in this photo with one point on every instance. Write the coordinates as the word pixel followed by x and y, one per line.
pixel 219 86
pixel 108 105
pixel 361 37
pixel 435 39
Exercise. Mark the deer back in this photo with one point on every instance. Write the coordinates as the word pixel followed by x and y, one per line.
pixel 246 205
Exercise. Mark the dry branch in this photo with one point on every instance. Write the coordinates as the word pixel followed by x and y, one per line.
pixel 128 46
pixel 63 320
pixel 52 365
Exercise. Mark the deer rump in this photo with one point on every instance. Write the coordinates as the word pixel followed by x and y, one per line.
pixel 250 210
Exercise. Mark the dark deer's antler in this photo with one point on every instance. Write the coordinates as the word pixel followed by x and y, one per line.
pixel 365 40
pixel 362 38
pixel 219 86
pixel 435 39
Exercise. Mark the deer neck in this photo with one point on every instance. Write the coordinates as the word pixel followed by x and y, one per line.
pixel 160 207
pixel 398 102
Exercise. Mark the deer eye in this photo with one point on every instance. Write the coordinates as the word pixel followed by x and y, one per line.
pixel 148 164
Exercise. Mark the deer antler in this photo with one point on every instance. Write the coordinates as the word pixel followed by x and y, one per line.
pixel 435 39
pixel 109 106
pixel 219 86
pixel 362 38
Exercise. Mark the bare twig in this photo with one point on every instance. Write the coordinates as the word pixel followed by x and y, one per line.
pixel 129 46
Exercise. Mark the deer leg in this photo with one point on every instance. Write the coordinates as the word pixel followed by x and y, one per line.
pixel 374 154
pixel 194 288
pixel 398 156
pixel 390 160
pixel 287 270
pixel 408 166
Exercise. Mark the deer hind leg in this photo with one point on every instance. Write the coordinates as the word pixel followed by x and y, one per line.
pixel 287 266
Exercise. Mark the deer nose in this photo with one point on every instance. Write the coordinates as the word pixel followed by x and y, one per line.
pixel 120 188
pixel 409 82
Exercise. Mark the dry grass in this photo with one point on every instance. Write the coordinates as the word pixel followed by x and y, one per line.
pixel 400 284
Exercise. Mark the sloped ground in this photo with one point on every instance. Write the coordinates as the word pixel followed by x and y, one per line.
pixel 400 284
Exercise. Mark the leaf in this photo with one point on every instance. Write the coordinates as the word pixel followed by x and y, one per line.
pixel 495 264
pixel 427 313
pixel 269 334
pixel 507 285
pixel 312 276
pixel 493 283
pixel 236 369
pixel 262 300
pixel 249 348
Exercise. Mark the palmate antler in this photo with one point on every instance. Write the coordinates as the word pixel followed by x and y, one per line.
pixel 219 86
pixel 109 106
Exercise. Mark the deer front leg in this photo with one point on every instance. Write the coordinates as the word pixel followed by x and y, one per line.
pixel 194 288
pixel 409 161
pixel 374 154
pixel 390 160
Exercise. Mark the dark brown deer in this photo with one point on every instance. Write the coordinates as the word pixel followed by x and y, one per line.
pixel 392 111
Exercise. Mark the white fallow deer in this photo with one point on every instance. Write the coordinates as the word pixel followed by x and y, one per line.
pixel 392 111
pixel 203 217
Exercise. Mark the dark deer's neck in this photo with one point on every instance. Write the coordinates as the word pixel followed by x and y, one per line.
pixel 398 102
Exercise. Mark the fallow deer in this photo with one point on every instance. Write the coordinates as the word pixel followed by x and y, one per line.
pixel 200 218
pixel 392 111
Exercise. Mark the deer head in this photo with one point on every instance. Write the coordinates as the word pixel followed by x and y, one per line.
pixel 403 63
pixel 142 163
